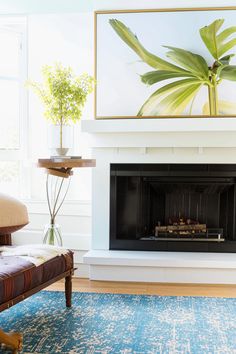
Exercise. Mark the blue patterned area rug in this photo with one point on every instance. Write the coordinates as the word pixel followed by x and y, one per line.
pixel 111 323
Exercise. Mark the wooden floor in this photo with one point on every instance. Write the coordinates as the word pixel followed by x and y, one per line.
pixel 164 289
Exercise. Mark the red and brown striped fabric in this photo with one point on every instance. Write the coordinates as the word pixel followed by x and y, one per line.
pixel 18 275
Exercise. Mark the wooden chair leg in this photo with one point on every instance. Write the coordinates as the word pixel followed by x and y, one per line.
pixel 5 240
pixel 68 290
pixel 12 340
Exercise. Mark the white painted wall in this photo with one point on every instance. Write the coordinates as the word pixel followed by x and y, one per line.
pixel 44 6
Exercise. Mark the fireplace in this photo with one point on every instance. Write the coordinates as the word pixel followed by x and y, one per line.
pixel 173 207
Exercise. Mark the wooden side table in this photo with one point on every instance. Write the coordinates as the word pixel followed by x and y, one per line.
pixel 56 190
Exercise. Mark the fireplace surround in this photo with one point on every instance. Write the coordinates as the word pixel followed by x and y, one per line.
pixel 173 207
pixel 150 142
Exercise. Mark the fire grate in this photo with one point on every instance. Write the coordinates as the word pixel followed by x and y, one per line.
pixel 209 235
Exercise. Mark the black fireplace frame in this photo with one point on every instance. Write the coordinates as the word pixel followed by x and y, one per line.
pixel 225 172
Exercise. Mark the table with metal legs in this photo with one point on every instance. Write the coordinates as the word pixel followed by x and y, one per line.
pixel 57 185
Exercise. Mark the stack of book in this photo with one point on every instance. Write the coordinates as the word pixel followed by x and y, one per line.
pixel 63 158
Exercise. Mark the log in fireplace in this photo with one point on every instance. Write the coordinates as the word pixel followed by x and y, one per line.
pixel 173 207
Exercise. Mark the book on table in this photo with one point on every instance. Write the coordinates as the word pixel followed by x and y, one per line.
pixel 64 158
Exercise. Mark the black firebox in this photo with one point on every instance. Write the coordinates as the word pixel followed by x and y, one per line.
pixel 173 207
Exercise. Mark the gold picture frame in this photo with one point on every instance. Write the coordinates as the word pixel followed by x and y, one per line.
pixel 100 92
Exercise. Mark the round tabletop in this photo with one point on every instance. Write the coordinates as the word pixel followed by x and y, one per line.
pixel 65 163
pixel 62 167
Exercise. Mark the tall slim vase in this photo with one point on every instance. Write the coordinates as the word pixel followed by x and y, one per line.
pixel 60 139
pixel 52 235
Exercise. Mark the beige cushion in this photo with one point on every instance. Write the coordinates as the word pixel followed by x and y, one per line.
pixel 13 214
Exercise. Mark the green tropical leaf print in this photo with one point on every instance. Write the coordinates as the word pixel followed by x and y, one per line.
pixel 225 108
pixel 226 59
pixel 152 77
pixel 216 43
pixel 173 98
pixel 132 40
pixel 154 105
pixel 228 73
pixel 192 62
pixel 177 102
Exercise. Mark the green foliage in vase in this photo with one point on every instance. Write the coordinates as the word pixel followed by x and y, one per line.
pixel 190 72
pixel 62 93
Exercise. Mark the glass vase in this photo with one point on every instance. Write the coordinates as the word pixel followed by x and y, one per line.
pixel 52 235
pixel 60 139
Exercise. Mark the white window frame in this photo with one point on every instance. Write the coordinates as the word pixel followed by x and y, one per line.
pixel 18 24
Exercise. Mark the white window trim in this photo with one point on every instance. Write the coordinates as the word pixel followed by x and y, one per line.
pixel 21 154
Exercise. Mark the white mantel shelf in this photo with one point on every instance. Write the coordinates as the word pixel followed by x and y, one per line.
pixel 159 125
pixel 161 133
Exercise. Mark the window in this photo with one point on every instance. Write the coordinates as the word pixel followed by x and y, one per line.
pixel 13 118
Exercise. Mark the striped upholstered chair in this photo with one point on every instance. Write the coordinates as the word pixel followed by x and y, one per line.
pixel 13 216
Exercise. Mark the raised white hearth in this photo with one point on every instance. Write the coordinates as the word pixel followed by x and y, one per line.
pixel 155 141
pixel 171 267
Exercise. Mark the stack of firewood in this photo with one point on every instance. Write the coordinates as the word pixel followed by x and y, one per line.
pixel 181 226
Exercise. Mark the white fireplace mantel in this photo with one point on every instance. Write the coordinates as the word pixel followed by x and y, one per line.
pixel 143 133
pixel 189 140
pixel 144 125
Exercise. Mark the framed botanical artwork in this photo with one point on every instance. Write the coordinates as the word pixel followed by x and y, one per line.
pixel 165 63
